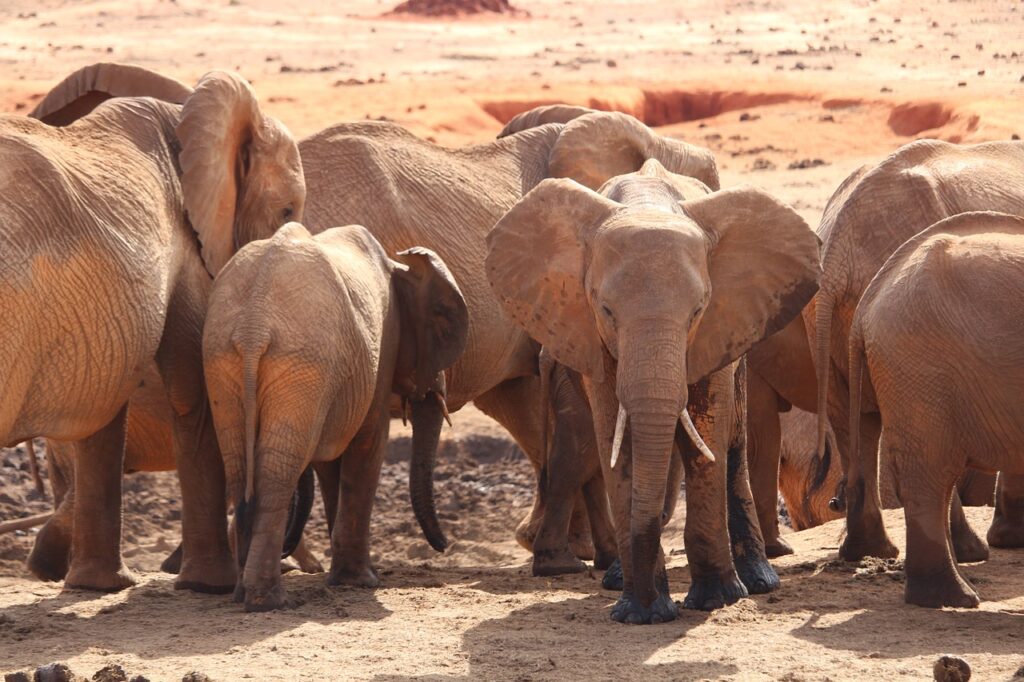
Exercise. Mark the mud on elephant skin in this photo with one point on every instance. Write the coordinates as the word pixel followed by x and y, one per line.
pixel 122 215
pixel 624 296
pixel 307 339
pixel 956 280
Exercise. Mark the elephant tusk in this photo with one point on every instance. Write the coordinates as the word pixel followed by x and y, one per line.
pixel 620 429
pixel 444 407
pixel 691 431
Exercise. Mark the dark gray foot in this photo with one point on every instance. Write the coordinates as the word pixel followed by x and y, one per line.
pixel 714 592
pixel 757 575
pixel 777 547
pixel 629 610
pixel 604 560
pixel 969 548
pixel 172 564
pixel 612 579
pixel 941 590
pixel 356 577
pixel 555 562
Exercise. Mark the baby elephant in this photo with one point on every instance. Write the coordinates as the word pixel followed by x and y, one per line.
pixel 306 339
pixel 937 333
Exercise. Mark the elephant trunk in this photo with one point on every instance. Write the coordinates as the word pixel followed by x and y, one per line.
pixel 652 389
pixel 427 415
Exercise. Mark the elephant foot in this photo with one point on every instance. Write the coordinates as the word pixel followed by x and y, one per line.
pixel 581 544
pixel 943 590
pixel 258 599
pixel 355 577
pixel 756 574
pixel 612 579
pixel 629 610
pixel 605 560
pixel 526 532
pixel 1004 533
pixel 307 561
pixel 969 547
pixel 208 577
pixel 556 562
pixel 777 547
pixel 855 550
pixel 714 592
pixel 90 576
pixel 49 557
pixel 172 564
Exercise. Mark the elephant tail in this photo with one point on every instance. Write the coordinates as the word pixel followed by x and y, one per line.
pixel 252 352
pixel 823 344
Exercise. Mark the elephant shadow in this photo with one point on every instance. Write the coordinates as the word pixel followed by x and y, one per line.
pixel 848 608
pixel 575 636
pixel 152 620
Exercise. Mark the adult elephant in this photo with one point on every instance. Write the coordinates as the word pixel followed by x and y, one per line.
pixel 408 192
pixel 872 213
pixel 652 289
pixel 113 227
pixel 149 446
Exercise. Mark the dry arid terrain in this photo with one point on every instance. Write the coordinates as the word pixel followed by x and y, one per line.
pixel 791 96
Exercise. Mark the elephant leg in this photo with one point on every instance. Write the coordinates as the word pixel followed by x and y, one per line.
pixel 360 473
pixel 933 579
pixel 1007 529
pixel 207 563
pixel 515 404
pixel 865 530
pixel 51 550
pixel 714 581
pixel 96 534
pixel 968 546
pixel 305 558
pixel 329 476
pixel 764 449
pixel 748 549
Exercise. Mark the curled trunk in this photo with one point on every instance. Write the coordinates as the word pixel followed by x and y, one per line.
pixel 427 415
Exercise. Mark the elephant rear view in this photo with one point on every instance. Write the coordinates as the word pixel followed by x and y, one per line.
pixel 306 340
pixel 112 226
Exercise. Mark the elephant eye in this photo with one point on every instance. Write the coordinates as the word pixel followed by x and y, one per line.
pixel 288 212
pixel 607 311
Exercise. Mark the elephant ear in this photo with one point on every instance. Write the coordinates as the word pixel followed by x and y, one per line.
pixel 218 125
pixel 536 265
pixel 87 88
pixel 601 145
pixel 764 268
pixel 538 116
pixel 435 319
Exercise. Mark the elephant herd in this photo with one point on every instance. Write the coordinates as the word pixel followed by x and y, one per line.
pixel 187 287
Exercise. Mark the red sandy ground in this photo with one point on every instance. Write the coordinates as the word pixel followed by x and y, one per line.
pixel 791 96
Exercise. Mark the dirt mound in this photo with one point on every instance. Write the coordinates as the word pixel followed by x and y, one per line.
pixel 454 8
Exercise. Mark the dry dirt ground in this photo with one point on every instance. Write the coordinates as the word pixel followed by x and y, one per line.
pixel 791 96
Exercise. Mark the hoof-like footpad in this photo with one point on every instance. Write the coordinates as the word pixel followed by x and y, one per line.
pixel 629 610
pixel 714 592
pixel 756 574
pixel 612 579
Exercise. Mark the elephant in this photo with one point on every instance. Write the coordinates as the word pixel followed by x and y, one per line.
pixel 871 214
pixel 935 349
pixel 306 339
pixel 651 289
pixel 407 191
pixel 113 226
pixel 804 482
pixel 149 446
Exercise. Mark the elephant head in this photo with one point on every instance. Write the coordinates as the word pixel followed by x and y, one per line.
pixel 435 326
pixel 662 293
pixel 240 173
